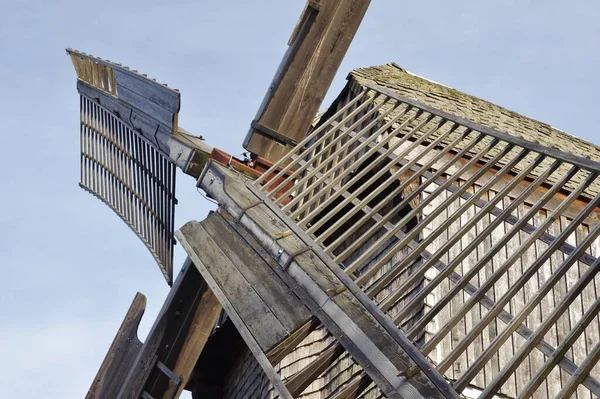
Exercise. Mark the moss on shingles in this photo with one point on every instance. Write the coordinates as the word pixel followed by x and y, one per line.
pixel 481 112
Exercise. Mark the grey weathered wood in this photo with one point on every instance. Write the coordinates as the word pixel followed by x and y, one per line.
pixel 159 94
pixel 560 309
pixel 352 389
pixel 470 247
pixel 121 355
pixel 348 198
pixel 265 327
pixel 357 336
pixel 464 229
pixel 303 378
pixel 581 373
pixel 117 75
pixel 281 301
pixel 343 174
pixel 147 106
pixel 528 228
pixel 300 149
pixel 277 353
pixel 188 238
pixel 461 383
pixel 176 340
pixel 343 147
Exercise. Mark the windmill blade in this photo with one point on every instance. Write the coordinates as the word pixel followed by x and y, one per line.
pixel 130 147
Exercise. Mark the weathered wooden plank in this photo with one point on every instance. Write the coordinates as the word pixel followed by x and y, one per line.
pixel 306 73
pixel 159 94
pixel 558 274
pixel 353 389
pixel 284 304
pixel 186 323
pixel 570 212
pixel 528 228
pixel 146 106
pixel 286 346
pixel 166 335
pixel 357 336
pixel 582 372
pixel 246 302
pixel 190 236
pixel 121 355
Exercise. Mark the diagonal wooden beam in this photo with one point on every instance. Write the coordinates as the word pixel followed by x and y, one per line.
pixel 317 48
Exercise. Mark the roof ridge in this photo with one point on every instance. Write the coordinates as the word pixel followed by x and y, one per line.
pixel 480 111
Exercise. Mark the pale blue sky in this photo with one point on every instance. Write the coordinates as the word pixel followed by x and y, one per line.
pixel 70 267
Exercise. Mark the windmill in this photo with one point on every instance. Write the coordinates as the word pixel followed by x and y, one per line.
pixel 410 242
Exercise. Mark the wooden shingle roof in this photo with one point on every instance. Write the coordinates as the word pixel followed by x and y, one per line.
pixel 482 112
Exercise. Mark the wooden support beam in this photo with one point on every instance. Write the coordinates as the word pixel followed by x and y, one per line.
pixel 121 354
pixel 317 48
pixel 203 323
pixel 175 341
pixel 286 346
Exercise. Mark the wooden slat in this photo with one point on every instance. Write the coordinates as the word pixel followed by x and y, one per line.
pixel 131 183
pixel 581 373
pixel 559 310
pixel 576 160
pixel 301 146
pixel 339 178
pixel 343 148
pixel 397 226
pixel 471 246
pixel 515 255
pixel 303 378
pixel 285 347
pixel 202 325
pixel 288 309
pixel 462 382
pixel 393 177
pixel 256 324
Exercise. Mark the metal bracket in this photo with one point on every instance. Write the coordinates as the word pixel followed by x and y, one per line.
pixel 248 207
pixel 291 256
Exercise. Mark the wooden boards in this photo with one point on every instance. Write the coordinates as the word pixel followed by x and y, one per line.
pixel 121 354
pixel 317 49
pixel 353 319
pixel 163 364
pixel 259 303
